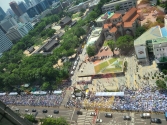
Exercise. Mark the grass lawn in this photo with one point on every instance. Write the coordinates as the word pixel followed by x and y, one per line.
pixel 75 15
pixel 112 60
pixel 99 67
pixel 112 70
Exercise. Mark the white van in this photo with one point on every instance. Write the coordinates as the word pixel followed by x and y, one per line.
pixel 74 67
pixel 75 63
pixel 72 72
pixel 145 115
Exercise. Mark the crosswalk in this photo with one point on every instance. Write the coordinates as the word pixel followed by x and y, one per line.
pixel 85 118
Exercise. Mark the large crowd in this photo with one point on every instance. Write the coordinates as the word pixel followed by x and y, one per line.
pixel 33 100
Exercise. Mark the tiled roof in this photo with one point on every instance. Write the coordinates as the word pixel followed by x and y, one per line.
pixel 114 29
pixel 128 24
pixel 106 26
pixel 116 15
pixel 128 14
pixel 135 17
pixel 119 24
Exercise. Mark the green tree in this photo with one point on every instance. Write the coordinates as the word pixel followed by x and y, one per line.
pixel 91 50
pixel 111 44
pixel 54 121
pixel 140 31
pixel 161 84
pixel 160 19
pixel 31 118
pixel 117 7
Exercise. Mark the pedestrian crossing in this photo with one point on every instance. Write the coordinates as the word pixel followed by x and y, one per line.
pixel 85 118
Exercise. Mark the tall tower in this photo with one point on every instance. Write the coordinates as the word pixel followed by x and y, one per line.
pixel 22 7
pixel 15 8
pixel 5 43
pixel 2 14
pixel 27 3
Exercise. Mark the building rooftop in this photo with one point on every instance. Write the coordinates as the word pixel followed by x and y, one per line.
pixel 106 26
pixel 117 2
pixel 128 24
pixel 113 30
pixel 152 33
pixel 65 20
pixel 129 14
pixel 159 40
pixel 104 16
pixel 164 31
pixel 116 15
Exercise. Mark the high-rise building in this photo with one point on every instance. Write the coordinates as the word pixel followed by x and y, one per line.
pixel 8 22
pixel 35 2
pixel 17 32
pixel 24 18
pixel 2 14
pixel 22 7
pixel 15 8
pixel 5 43
pixel 27 3
pixel 32 12
pixel 10 12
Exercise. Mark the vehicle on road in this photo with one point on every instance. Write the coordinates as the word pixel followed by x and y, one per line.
pixel 79 113
pixel 56 112
pixel 108 115
pixel 33 110
pixel 127 117
pixel 93 114
pixel 155 120
pixel 26 110
pixel 17 109
pixel 145 115
pixel 45 111
pixel 99 121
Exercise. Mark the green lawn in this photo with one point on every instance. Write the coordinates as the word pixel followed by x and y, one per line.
pixel 112 70
pixel 75 15
pixel 112 60
pixel 99 67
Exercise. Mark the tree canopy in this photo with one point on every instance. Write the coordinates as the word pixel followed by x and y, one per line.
pixel 91 50
pixel 54 121
pixel 161 84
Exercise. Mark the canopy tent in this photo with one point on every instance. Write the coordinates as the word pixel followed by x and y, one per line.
pixel 57 92
pixel 2 93
pixel 39 93
pixel 13 93
pixel 84 79
pixel 109 94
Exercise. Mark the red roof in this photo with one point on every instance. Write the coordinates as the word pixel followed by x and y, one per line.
pixel 129 14
pixel 106 26
pixel 134 18
pixel 119 24
pixel 128 24
pixel 116 15
pixel 114 29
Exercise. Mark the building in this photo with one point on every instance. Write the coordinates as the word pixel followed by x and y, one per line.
pixel 80 6
pixel 10 12
pixel 9 117
pixel 24 18
pixel 104 18
pixel 15 33
pixel 32 12
pixel 119 25
pixel 93 3
pixel 27 3
pixel 5 43
pixel 45 13
pixel 8 22
pixel 96 38
pixel 115 5
pixel 65 21
pixel 35 2
pixel 2 14
pixel 51 44
pixel 56 8
pixel 15 8
pixel 22 7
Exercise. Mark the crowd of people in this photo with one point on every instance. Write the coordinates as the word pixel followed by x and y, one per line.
pixel 33 100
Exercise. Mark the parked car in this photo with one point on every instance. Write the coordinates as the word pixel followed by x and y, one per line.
pixel 79 113
pixel 92 114
pixel 127 117
pixel 33 110
pixel 17 109
pixel 72 72
pixel 99 121
pixel 155 120
pixel 145 115
pixel 26 110
pixel 108 115
pixel 49 116
pixel 45 111
pixel 56 112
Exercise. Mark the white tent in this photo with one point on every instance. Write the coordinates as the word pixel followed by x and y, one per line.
pixel 109 94
pixel 57 92
pixel 13 93
pixel 2 93
pixel 39 93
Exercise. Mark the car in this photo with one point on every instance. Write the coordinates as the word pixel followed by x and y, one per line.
pixel 93 114
pixel 155 120
pixel 45 111
pixel 72 72
pixel 99 120
pixel 145 115
pixel 127 117
pixel 108 115
pixel 17 109
pixel 26 110
pixel 79 113
pixel 56 111
pixel 49 116
pixel 33 110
